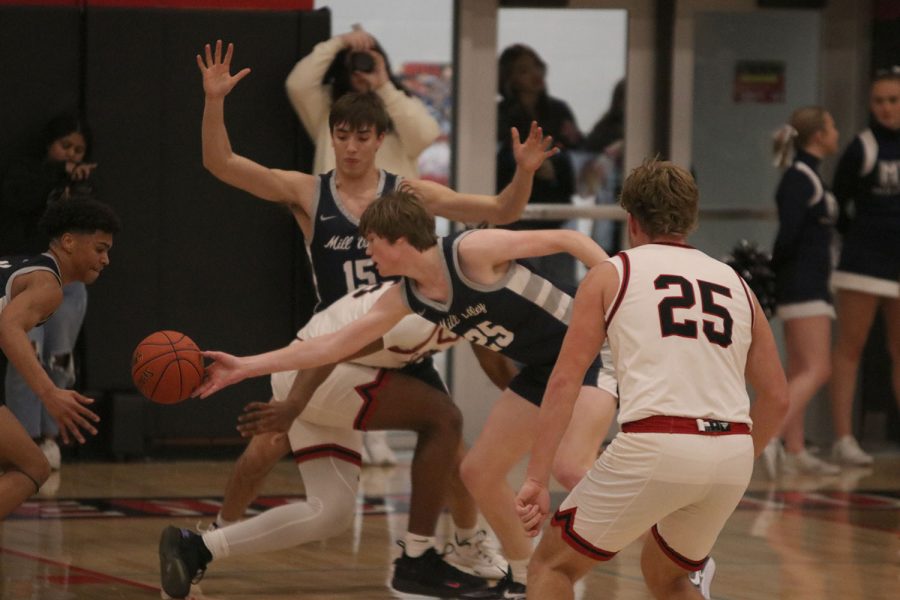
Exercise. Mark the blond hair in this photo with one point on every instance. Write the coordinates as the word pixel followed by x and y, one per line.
pixel 805 122
pixel 663 198
pixel 399 214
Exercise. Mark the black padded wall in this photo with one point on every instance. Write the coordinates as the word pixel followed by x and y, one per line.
pixel 195 255
pixel 40 63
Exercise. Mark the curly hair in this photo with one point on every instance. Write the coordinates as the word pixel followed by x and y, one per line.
pixel 663 198
pixel 79 214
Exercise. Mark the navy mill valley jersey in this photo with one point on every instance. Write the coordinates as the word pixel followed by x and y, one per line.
pixel 337 251
pixel 523 316
pixel 13 266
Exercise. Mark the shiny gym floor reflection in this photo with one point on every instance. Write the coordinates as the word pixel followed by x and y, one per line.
pixel 797 538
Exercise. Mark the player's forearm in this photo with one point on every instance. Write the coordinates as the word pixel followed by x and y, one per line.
pixel 295 357
pixel 21 355
pixel 214 137
pixel 581 247
pixel 511 201
pixel 768 411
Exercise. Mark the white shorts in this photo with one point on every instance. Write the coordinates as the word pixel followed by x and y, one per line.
pixel 337 412
pixel 684 486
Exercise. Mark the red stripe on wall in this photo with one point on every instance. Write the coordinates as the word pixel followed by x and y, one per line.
pixel 190 4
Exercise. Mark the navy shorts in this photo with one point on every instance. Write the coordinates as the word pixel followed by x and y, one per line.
pixel 531 382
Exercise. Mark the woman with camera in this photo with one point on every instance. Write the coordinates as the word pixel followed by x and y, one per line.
pixel 355 62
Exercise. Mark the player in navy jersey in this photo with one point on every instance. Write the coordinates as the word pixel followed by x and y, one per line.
pixel 327 209
pixel 802 260
pixel 687 336
pixel 867 186
pixel 471 284
pixel 81 234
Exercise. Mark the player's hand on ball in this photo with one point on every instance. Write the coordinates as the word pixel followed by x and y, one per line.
pixel 226 370
pixel 69 409
pixel 266 417
pixel 532 506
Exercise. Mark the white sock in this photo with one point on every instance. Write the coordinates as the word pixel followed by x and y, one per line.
pixel 223 522
pixel 417 545
pixel 519 570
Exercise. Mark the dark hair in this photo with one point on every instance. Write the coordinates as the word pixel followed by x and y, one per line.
pixel 508 59
pixel 611 126
pixel 662 197
pixel 62 125
pixel 358 110
pixel 339 72
pixel 889 74
pixel 399 214
pixel 79 214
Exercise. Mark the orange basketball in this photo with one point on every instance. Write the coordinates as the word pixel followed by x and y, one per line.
pixel 166 367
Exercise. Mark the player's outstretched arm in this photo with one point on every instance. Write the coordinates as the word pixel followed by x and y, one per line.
pixel 765 375
pixel 505 207
pixel 494 247
pixel 580 347
pixel 275 185
pixel 39 297
pixel 332 348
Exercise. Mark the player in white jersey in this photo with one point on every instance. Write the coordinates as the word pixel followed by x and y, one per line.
pixel 686 335
pixel 324 417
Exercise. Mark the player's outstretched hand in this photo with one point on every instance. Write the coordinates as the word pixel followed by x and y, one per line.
pixel 532 506
pixel 71 412
pixel 536 148
pixel 217 78
pixel 266 417
pixel 226 370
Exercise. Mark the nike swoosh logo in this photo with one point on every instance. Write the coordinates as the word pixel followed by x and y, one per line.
pixel 324 218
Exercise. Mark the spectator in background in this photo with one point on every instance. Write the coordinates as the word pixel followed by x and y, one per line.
pixel 58 170
pixel 868 274
pixel 356 62
pixel 802 262
pixel 525 99
pixel 607 140
pixel 336 67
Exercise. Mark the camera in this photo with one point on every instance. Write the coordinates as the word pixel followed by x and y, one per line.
pixel 362 61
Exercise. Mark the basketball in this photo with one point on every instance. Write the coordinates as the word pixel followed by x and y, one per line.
pixel 166 367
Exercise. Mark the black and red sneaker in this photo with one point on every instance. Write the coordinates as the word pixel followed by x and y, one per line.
pixel 431 575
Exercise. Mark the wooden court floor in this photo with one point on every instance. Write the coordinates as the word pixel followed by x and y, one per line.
pixel 96 538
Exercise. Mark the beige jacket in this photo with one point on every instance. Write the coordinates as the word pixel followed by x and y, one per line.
pixel 414 128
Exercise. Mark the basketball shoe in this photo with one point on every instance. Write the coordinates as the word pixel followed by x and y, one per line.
pixel 702 579
pixel 804 463
pixel 846 451
pixel 477 556
pixel 182 560
pixel 51 451
pixel 431 575
pixel 506 589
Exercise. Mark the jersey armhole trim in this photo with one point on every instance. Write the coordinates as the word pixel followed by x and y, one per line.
pixel 749 299
pixel 623 285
